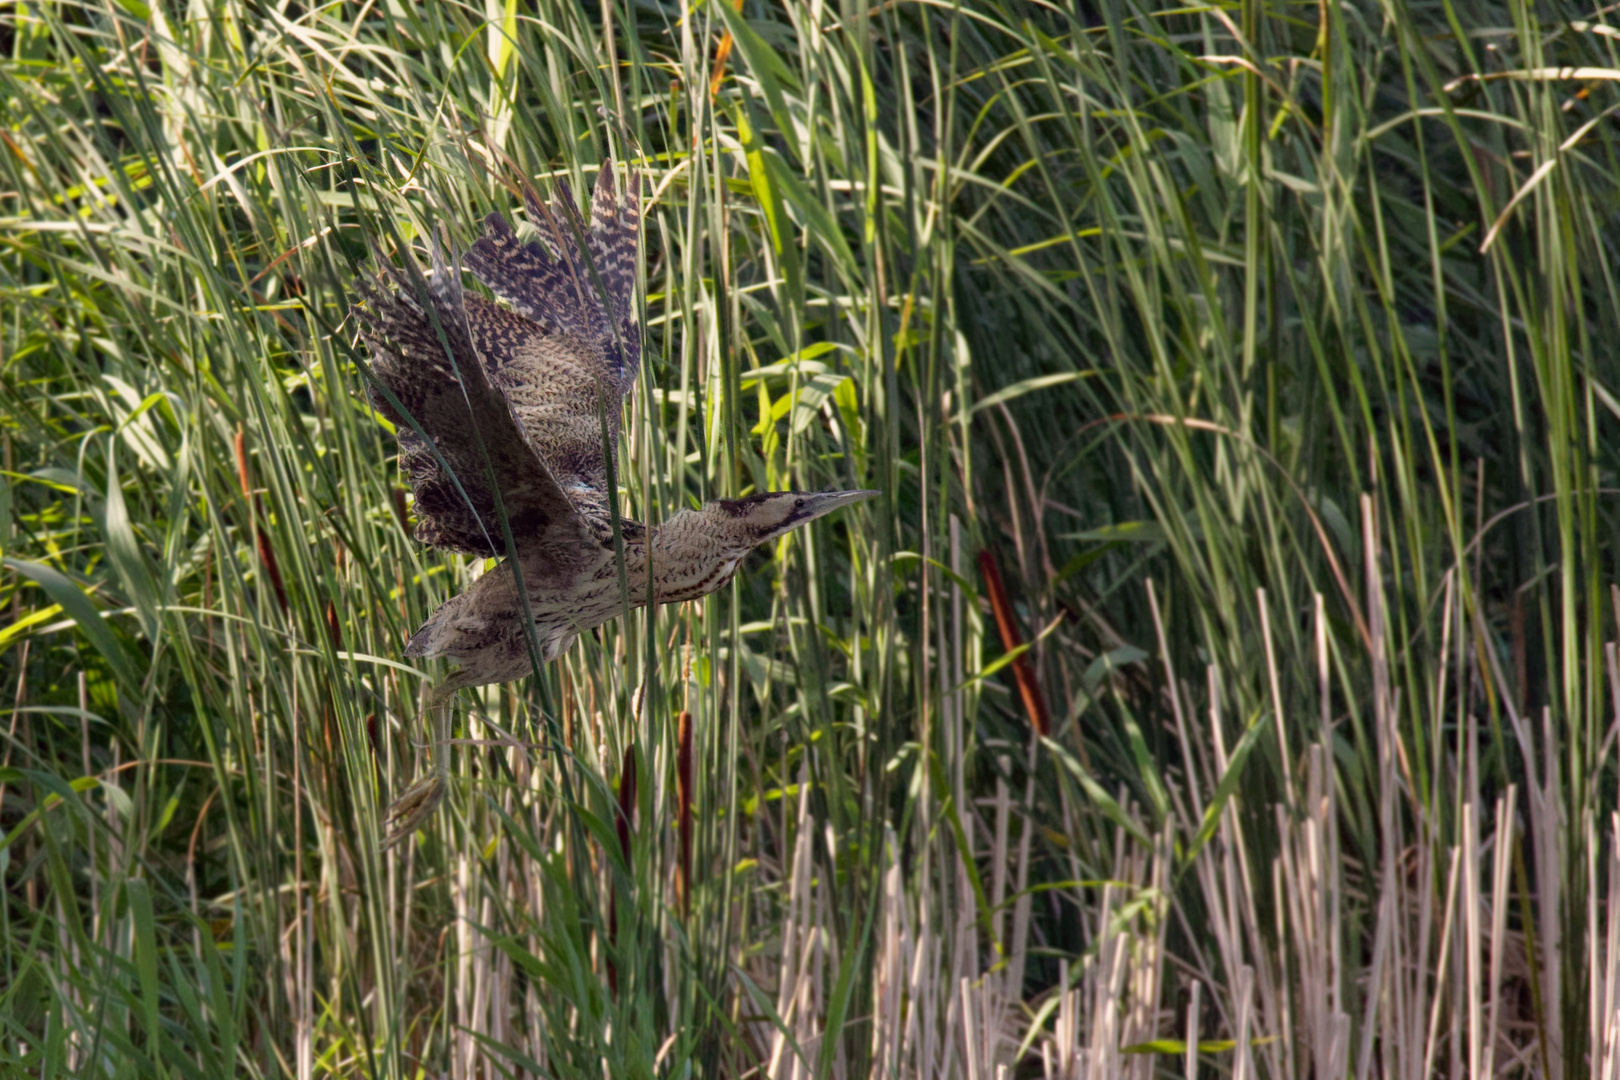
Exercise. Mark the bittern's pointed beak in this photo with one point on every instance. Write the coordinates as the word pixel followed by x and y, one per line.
pixel 821 503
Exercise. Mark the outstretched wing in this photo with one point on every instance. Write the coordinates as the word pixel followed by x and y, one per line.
pixel 563 382
pixel 457 407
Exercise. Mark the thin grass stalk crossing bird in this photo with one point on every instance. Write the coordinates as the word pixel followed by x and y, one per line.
pixel 512 411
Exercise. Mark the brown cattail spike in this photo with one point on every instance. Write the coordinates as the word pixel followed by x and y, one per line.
pixel 683 814
pixel 400 511
pixel 627 799
pixel 627 807
pixel 720 55
pixel 1023 673
pixel 267 555
pixel 241 463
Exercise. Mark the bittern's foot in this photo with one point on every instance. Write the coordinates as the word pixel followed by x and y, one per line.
pixel 414 807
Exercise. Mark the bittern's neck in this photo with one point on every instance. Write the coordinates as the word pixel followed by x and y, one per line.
pixel 692 554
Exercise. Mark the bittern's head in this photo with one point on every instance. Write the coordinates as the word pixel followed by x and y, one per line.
pixel 770 514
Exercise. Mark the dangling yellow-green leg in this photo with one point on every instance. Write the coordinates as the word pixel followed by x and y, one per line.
pixel 422 798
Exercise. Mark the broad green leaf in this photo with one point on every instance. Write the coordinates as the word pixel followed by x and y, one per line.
pixel 74 601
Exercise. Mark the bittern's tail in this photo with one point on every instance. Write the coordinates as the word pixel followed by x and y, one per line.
pixel 590 295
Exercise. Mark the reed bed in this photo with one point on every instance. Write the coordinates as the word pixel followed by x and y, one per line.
pixel 1225 685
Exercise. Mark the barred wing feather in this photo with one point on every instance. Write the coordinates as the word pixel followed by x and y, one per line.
pixel 565 382
pixel 441 382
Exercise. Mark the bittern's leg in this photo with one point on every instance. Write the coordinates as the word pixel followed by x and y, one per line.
pixel 422 798
pixel 440 704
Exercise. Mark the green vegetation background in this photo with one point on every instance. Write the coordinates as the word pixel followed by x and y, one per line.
pixel 1306 313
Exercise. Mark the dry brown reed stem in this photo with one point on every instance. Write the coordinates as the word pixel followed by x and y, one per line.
pixel 627 806
pixel 255 509
pixel 683 812
pixel 1028 688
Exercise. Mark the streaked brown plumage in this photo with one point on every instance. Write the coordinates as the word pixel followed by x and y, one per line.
pixel 532 387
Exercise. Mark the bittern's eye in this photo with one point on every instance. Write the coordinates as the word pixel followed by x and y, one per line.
pixel 798 504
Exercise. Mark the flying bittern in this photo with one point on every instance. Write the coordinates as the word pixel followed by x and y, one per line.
pixel 518 406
